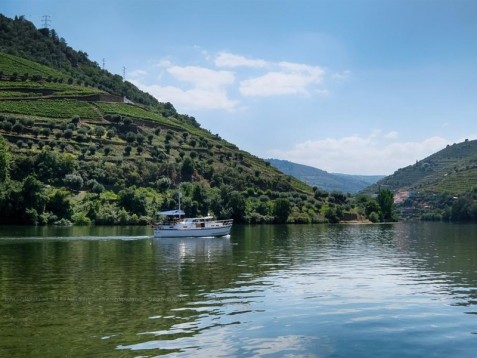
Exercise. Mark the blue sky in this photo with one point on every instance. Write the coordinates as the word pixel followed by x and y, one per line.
pixel 348 86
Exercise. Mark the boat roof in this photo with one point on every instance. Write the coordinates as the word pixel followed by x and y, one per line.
pixel 202 218
pixel 171 212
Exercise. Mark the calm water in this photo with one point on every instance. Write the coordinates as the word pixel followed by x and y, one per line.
pixel 267 291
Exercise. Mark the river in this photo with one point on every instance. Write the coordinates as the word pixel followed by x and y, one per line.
pixel 392 290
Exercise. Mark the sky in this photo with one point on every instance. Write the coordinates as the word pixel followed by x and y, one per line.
pixel 348 86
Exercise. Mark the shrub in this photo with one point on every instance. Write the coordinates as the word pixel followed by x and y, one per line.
pixel 374 217
pixel 68 133
pixel 130 137
pixel 81 219
pixel 73 181
pixel 110 133
pixel 99 131
pixel 7 126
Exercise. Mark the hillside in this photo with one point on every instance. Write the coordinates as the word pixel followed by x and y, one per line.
pixel 434 184
pixel 326 181
pixel 81 145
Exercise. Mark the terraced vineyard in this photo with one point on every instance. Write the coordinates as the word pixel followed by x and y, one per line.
pixel 12 65
pixel 59 108
pixel 451 170
pixel 130 111
pixel 459 182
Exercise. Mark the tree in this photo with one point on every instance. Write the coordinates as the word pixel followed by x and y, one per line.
pixel 281 210
pixel 75 120
pixel 73 181
pixel 68 134
pixel 187 169
pixel 331 215
pixel 372 206
pixel 32 194
pixel 99 131
pixel 4 160
pixel 18 127
pixel 460 210
pixel 134 202
pixel 199 195
pixel 111 133
pixel 59 204
pixel 385 200
pixel 130 137
pixel 237 205
pixel 51 166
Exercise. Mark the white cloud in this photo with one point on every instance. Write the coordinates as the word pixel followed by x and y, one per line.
pixel 354 154
pixel 341 76
pixel 192 99
pixel 292 78
pixel 202 87
pixel 205 89
pixel 225 59
pixel 391 135
pixel 202 77
pixel 137 74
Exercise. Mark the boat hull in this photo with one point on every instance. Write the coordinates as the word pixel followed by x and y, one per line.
pixel 193 232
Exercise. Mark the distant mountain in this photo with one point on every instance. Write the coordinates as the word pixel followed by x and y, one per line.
pixel 326 181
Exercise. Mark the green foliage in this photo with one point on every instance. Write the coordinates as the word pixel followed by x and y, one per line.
pixel 4 160
pixel 133 201
pixel 281 210
pixel 65 136
pixel 59 108
pixel 374 217
pixel 386 204
pixel 187 169
pixel 59 204
pixel 373 210
pixel 464 209
pixel 51 166
pixel 73 181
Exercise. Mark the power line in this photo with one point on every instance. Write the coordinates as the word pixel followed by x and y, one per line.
pixel 46 21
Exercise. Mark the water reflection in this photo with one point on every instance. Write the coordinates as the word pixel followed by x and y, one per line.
pixel 199 250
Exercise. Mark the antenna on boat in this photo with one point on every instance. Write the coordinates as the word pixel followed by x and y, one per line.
pixel 179 194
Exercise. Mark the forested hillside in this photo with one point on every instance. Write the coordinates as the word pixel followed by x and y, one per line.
pixel 81 145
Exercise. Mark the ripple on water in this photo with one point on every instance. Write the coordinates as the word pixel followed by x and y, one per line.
pixel 325 291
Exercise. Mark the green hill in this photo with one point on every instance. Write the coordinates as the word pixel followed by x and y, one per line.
pixel 432 186
pixel 78 144
pixel 326 181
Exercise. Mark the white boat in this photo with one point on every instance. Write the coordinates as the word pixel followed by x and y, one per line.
pixel 175 225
